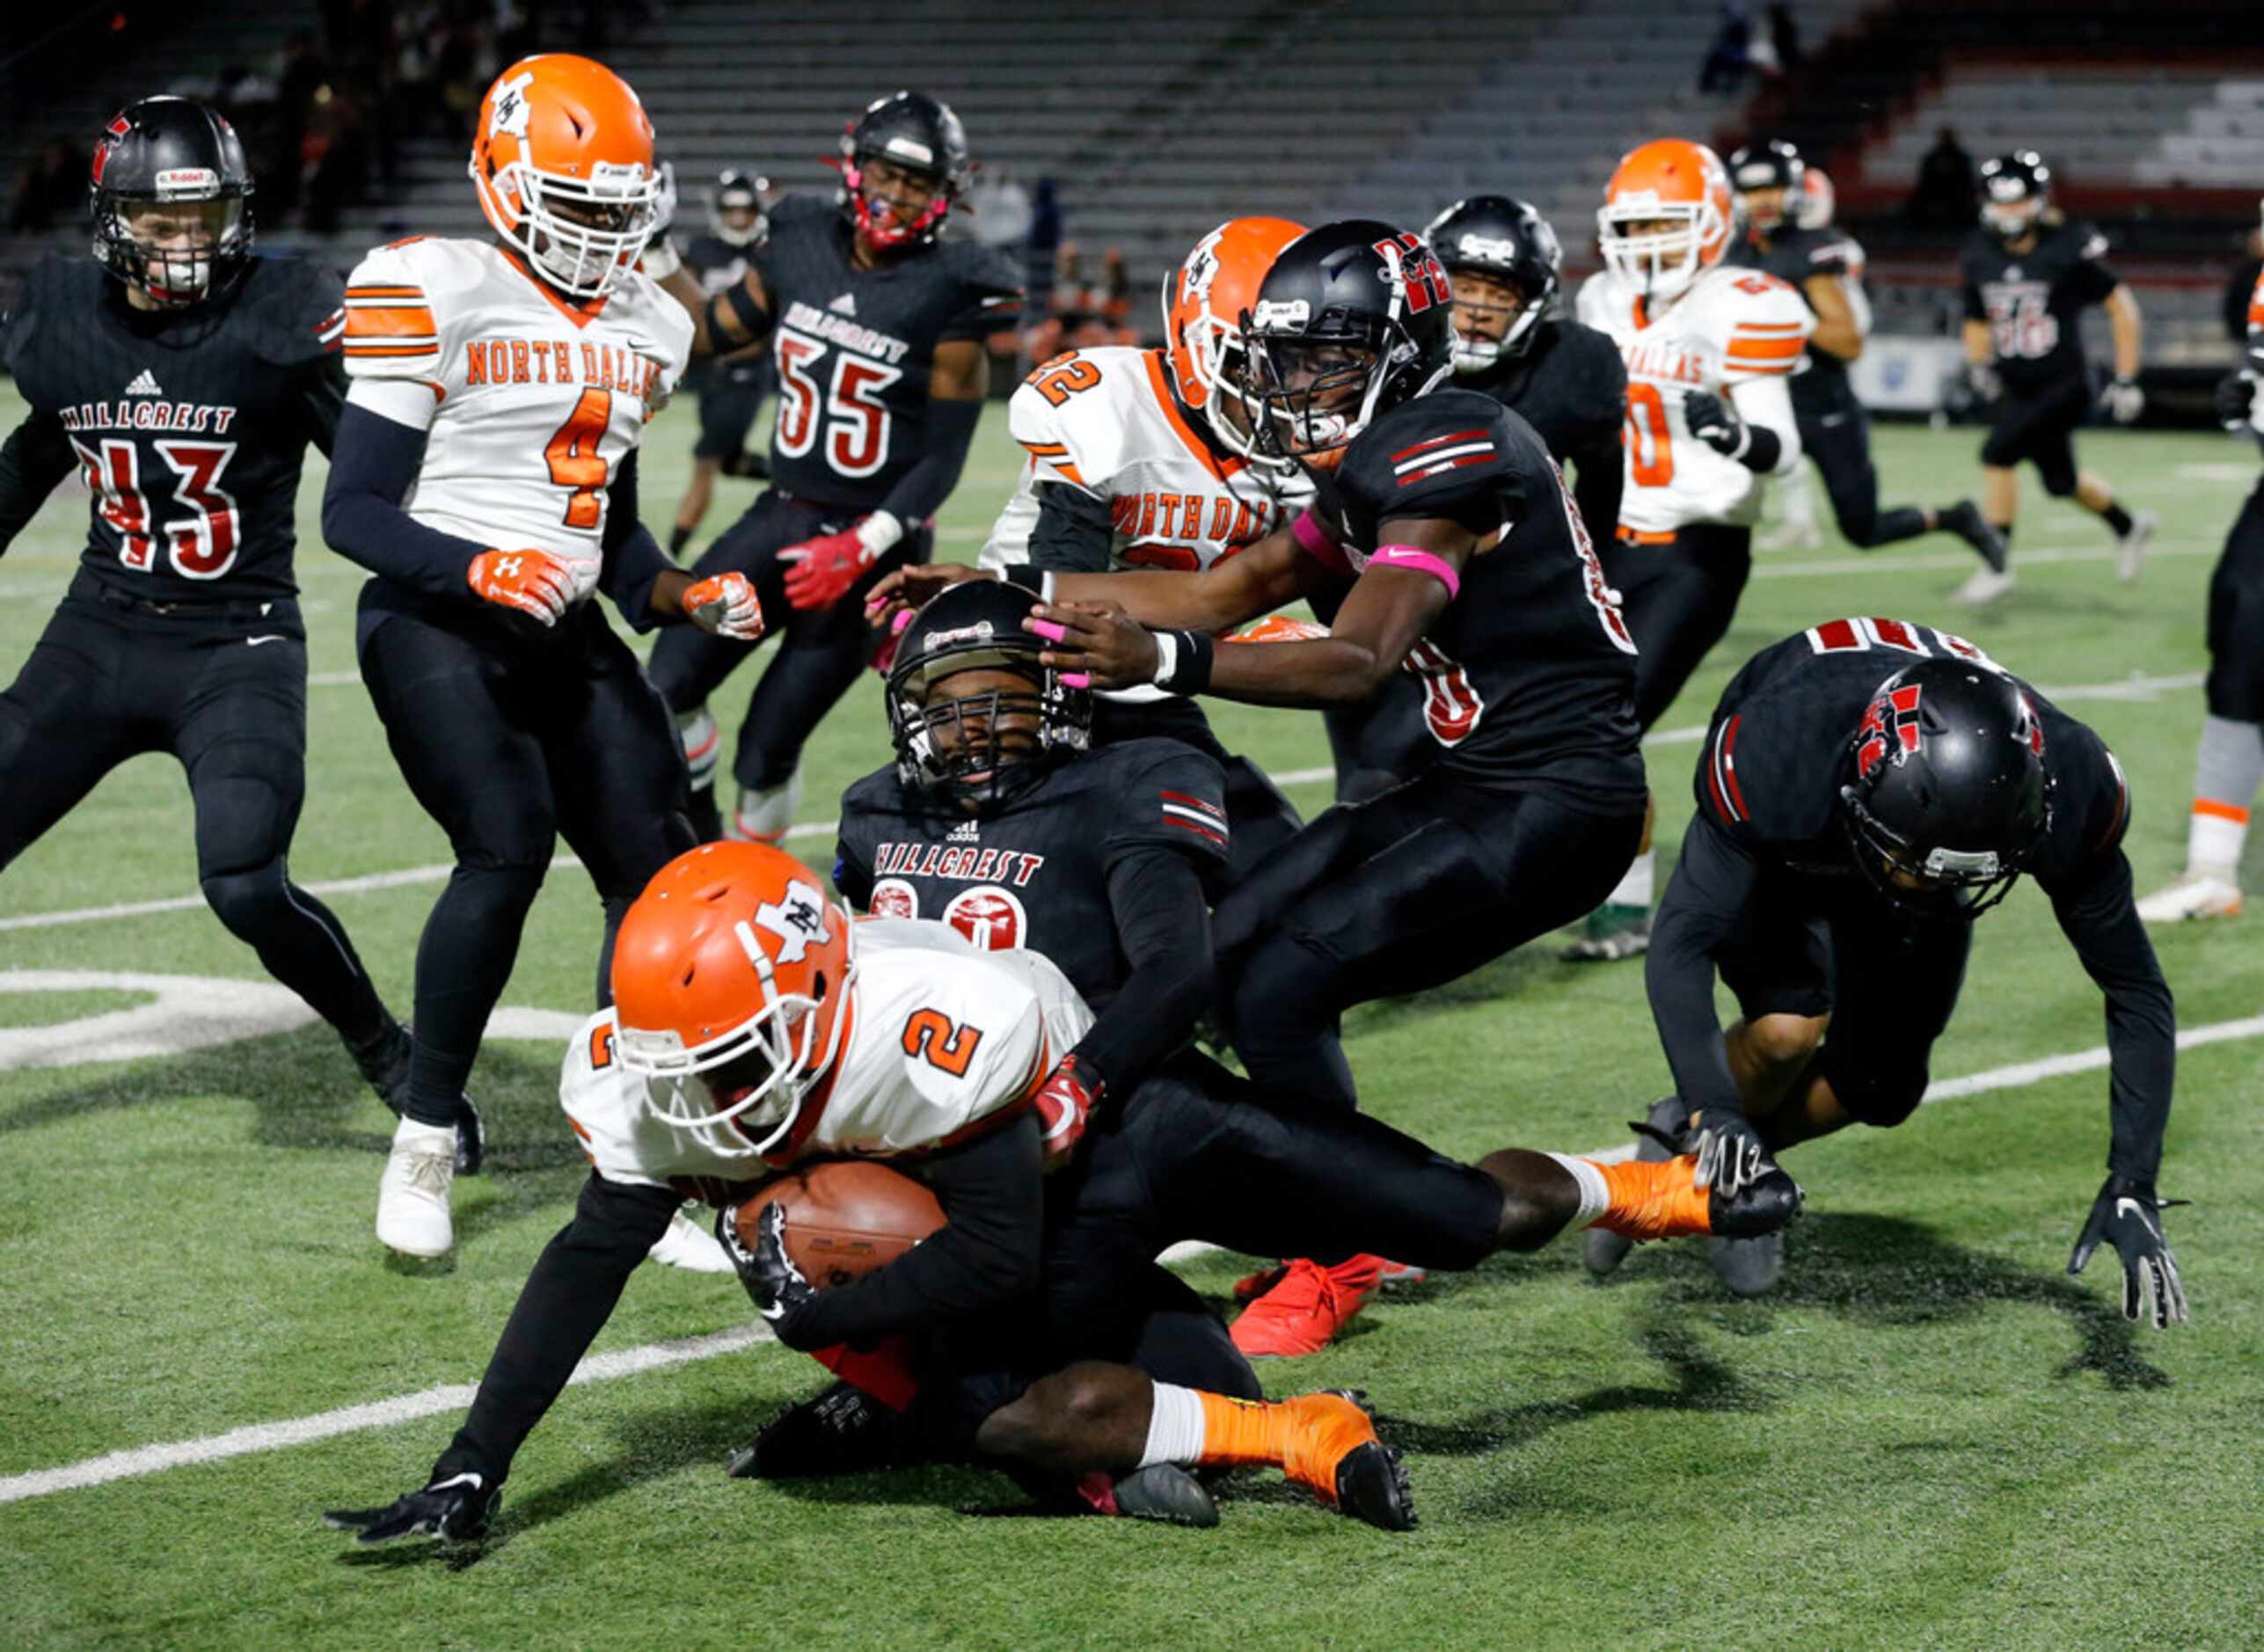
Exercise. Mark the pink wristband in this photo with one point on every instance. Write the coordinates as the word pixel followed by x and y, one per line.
pixel 1406 556
pixel 1314 541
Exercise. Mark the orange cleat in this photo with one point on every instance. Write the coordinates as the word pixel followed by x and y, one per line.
pixel 1330 1448
pixel 1250 1287
pixel 1306 1307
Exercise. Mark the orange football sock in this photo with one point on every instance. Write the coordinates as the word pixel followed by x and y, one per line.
pixel 1241 1433
pixel 1654 1200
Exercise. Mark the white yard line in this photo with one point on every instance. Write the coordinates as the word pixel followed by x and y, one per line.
pixel 441 1400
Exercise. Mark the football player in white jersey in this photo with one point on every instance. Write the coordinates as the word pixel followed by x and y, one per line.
pixel 485 470
pixel 1140 458
pixel 757 1027
pixel 1710 351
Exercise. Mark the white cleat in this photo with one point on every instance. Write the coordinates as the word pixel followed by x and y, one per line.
pixel 413 1214
pixel 689 1246
pixel 2130 548
pixel 1791 536
pixel 1985 587
pixel 2195 895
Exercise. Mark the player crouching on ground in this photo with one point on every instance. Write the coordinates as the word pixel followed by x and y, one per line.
pixel 751 1032
pixel 1853 820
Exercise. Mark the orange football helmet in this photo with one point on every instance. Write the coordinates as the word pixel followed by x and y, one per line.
pixel 1203 302
pixel 1671 180
pixel 562 162
pixel 731 955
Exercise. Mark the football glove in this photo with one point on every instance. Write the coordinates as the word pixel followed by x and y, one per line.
pixel 725 605
pixel 2122 401
pixel 535 582
pixel 1712 423
pixel 1731 1155
pixel 778 1287
pixel 822 570
pixel 2235 397
pixel 455 1510
pixel 2129 1217
pixel 1065 1102
pixel 1985 381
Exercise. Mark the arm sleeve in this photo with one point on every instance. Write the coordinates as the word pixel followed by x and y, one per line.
pixel 1599 478
pixel 372 466
pixel 1712 888
pixel 1766 404
pixel 992 1193
pixel 2099 917
pixel 1163 925
pixel 565 1302
pixel 1073 534
pixel 633 560
pixel 990 301
pixel 36 456
pixel 924 488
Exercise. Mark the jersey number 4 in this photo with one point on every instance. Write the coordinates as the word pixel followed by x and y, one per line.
pixel 854 415
pixel 576 463
pixel 199 547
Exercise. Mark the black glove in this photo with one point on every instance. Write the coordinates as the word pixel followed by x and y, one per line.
pixel 2236 394
pixel 1731 1155
pixel 2128 1216
pixel 778 1287
pixel 1712 423
pixel 455 1510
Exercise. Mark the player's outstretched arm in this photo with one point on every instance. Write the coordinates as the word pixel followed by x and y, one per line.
pixel 565 1302
pixel 36 456
pixel 2101 919
pixel 1711 888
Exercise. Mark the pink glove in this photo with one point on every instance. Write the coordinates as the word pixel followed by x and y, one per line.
pixel 725 604
pixel 884 657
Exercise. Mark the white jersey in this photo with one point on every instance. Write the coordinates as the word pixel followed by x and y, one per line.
pixel 531 404
pixel 1105 422
pixel 1737 333
pixel 942 1037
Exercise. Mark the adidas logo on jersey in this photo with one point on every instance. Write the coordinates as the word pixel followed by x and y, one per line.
pixel 145 383
pixel 965 832
pixel 845 305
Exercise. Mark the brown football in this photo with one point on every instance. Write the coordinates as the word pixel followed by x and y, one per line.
pixel 844 1217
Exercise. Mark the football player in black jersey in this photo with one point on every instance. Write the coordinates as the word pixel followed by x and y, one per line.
pixel 1867 789
pixel 184 378
pixel 879 328
pixel 1826 268
pixel 732 390
pixel 1534 803
pixel 2029 274
pixel 1566 380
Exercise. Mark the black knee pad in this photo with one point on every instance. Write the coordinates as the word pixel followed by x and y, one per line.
pixel 248 902
pixel 1874 1089
pixel 2059 480
pixel 496 887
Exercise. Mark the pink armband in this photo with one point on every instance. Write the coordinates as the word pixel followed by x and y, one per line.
pixel 1315 541
pixel 1406 556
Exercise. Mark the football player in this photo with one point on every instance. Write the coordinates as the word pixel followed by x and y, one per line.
pixel 1144 459
pixel 732 390
pixel 1826 269
pixel 184 378
pixel 1446 527
pixel 879 327
pixel 2229 765
pixel 2029 274
pixel 1710 349
pixel 755 1027
pixel 487 472
pixel 1867 789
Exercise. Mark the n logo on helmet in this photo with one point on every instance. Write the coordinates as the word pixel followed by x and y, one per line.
pixel 797 918
pixel 1892 716
pixel 1419 273
pixel 509 113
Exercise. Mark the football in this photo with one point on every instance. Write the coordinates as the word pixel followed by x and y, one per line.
pixel 844 1217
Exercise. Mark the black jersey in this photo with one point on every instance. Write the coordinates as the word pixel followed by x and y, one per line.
pixel 1794 255
pixel 190 426
pixel 1529 676
pixel 1035 873
pixel 1571 385
pixel 854 348
pixel 716 264
pixel 2033 300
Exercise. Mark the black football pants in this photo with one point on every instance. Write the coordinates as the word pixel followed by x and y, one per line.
pixel 1836 432
pixel 1678 598
pixel 2236 619
pixel 511 738
pixel 223 686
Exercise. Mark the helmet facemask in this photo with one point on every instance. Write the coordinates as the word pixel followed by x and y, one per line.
pixel 1657 247
pixel 579 234
pixel 177 249
pixel 870 175
pixel 976 752
pixel 1480 293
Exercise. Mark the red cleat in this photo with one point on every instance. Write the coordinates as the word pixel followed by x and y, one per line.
pixel 1306 1308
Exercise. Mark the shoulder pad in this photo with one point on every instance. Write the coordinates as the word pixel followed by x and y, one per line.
pixel 1438 455
pixel 1763 325
pixel 1166 791
pixel 2089 240
pixel 298 313
pixel 397 299
pixel 649 305
pixel 1075 412
pixel 2091 808
pixel 1592 305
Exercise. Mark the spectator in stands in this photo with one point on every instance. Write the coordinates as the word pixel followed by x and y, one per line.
pixel 1731 53
pixel 340 175
pixel 1044 246
pixel 1944 197
pixel 1785 37
pixel 51 184
pixel 1001 210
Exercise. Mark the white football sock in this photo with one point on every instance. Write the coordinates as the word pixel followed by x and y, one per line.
pixel 763 817
pixel 1175 1426
pixel 703 742
pixel 1595 1197
pixel 1634 888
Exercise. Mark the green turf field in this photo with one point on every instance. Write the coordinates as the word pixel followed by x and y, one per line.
pixel 1930 1437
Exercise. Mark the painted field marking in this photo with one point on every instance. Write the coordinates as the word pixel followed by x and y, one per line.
pixel 137 1461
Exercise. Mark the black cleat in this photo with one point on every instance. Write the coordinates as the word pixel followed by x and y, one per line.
pixel 384 1062
pixel 1168 1493
pixel 843 1430
pixel 470 1138
pixel 1371 1481
pixel 1764 1206
pixel 1963 519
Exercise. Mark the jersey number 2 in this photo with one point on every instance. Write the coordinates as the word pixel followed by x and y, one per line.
pixel 944 1043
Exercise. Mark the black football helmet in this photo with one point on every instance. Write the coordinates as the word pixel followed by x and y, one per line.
pixel 170 153
pixel 2015 189
pixel 918 134
pixel 1352 318
pixel 1511 241
pixel 739 191
pixel 978 764
pixel 1754 167
pixel 1946 798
